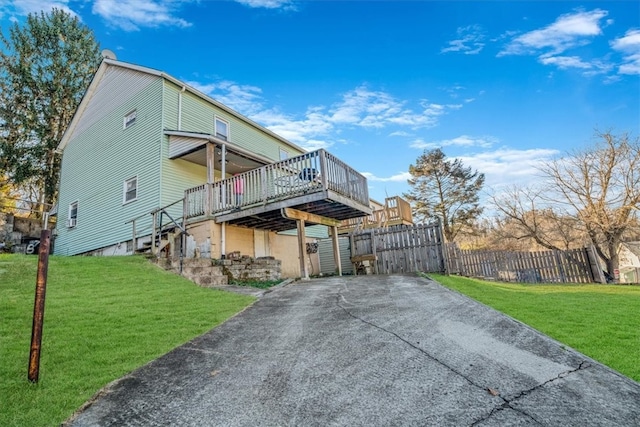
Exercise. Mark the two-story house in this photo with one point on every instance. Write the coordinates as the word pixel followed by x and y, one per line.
pixel 146 153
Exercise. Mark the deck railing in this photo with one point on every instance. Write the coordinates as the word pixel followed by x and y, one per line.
pixel 395 211
pixel 304 174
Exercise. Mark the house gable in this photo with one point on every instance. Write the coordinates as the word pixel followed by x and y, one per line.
pixel 100 155
pixel 109 89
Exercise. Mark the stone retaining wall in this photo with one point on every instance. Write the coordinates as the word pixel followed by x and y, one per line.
pixel 251 269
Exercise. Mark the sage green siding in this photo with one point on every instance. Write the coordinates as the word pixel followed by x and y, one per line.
pixel 314 231
pixel 97 161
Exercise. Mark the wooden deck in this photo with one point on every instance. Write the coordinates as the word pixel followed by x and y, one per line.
pixel 396 211
pixel 315 182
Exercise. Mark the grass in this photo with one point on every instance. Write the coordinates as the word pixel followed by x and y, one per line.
pixel 601 321
pixel 104 317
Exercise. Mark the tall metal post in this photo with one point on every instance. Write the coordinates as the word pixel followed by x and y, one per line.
pixel 38 307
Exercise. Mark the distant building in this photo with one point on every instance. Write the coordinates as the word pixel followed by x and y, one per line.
pixel 629 265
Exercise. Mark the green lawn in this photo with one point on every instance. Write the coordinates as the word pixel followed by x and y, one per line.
pixel 104 317
pixel 601 321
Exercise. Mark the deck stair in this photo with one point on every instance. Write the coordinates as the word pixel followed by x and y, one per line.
pixel 163 242
pixel 201 271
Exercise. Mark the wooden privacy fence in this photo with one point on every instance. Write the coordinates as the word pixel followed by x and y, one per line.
pixel 401 249
pixel 571 266
pixel 406 249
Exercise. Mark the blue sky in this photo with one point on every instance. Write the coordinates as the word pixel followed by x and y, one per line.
pixel 502 85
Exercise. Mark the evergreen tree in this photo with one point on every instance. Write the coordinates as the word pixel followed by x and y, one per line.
pixel 445 190
pixel 45 68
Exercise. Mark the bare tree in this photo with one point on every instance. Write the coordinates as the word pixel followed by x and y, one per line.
pixel 525 217
pixel 591 195
pixel 601 185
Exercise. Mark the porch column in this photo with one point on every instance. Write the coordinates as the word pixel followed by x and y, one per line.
pixel 210 163
pixel 223 226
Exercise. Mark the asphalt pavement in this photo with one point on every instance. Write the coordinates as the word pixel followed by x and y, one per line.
pixel 368 351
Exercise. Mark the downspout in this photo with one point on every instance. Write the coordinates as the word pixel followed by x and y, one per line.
pixel 180 107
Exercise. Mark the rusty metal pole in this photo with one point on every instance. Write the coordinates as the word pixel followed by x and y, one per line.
pixel 38 307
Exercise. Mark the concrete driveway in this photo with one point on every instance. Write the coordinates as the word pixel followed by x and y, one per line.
pixel 369 351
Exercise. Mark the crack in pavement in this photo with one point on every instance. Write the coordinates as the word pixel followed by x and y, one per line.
pixel 435 359
pixel 506 402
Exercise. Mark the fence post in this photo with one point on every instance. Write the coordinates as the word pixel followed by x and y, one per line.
pixel 563 276
pixel 594 264
pixel 440 239
pixel 154 233
pixel 133 240
pixel 38 307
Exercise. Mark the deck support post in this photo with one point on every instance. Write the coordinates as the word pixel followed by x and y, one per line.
pixel 336 249
pixel 301 217
pixel 302 249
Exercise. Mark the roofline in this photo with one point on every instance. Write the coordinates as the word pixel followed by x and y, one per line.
pixel 112 62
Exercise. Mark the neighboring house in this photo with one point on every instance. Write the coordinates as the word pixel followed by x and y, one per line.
pixel 143 142
pixel 629 262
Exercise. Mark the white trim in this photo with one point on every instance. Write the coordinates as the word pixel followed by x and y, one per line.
pixel 125 191
pixel 72 221
pixel 283 154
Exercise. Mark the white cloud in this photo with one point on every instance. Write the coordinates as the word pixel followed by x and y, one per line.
pixel 630 46
pixel 507 166
pixel 306 132
pixel 243 98
pixel 131 15
pixel 400 133
pixel 399 177
pixel 376 109
pixel 568 31
pixel 25 7
pixel 319 126
pixel 564 62
pixel 470 41
pixel 268 4
pixel 460 141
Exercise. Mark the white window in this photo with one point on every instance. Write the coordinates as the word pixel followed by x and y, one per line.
pixel 72 218
pixel 222 129
pixel 130 190
pixel 283 154
pixel 130 119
